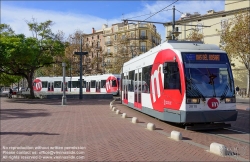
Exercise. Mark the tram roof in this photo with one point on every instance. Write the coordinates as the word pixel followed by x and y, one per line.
pixel 182 46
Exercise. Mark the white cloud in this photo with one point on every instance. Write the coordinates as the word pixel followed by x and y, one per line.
pixel 66 22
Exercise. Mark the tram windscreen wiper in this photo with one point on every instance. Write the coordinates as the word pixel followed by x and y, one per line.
pixel 193 90
pixel 223 96
pixel 211 81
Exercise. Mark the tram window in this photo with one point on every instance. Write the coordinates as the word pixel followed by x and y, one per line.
pixel 75 84
pixel 103 83
pixel 83 84
pixel 92 83
pixel 171 75
pixel 146 77
pixel 44 84
pixel 69 84
pixel 57 84
pixel 131 80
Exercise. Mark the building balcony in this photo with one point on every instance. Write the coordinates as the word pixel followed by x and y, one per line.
pixel 98 48
pixel 143 26
pixel 108 43
pixel 143 37
pixel 124 40
pixel 143 49
pixel 108 54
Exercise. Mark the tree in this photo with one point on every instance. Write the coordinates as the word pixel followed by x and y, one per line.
pixel 125 44
pixel 22 56
pixel 194 35
pixel 235 40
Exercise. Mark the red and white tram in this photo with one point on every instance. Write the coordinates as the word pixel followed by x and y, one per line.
pixel 106 83
pixel 182 82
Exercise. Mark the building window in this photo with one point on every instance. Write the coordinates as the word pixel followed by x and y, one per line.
pixel 115 28
pixel 223 24
pixel 132 26
pixel 143 47
pixel 143 33
pixel 114 37
pixel 108 38
pixel 108 50
pixel 97 36
pixel 132 34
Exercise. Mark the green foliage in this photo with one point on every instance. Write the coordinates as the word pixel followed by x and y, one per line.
pixel 7 80
pixel 22 56
pixel 235 40
pixel 194 35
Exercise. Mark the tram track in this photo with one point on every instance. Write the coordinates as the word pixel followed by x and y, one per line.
pixel 228 137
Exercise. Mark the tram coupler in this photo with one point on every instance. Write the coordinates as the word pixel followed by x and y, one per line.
pixel 208 126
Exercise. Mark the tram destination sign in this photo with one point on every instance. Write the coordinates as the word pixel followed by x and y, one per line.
pixel 207 57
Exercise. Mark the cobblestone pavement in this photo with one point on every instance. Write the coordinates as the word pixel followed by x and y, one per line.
pixel 87 130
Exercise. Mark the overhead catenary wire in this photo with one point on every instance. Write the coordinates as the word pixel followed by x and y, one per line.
pixel 161 10
pixel 145 14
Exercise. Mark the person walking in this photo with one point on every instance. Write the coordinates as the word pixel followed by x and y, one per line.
pixel 10 93
pixel 237 89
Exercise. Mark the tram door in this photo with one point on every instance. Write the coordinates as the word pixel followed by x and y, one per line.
pixel 138 88
pixel 66 86
pixel 84 86
pixel 125 88
pixel 98 83
pixel 50 86
pixel 87 86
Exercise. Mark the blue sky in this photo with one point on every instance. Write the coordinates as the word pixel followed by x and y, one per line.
pixel 69 16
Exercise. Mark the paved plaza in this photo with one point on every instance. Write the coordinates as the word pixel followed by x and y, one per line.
pixel 87 130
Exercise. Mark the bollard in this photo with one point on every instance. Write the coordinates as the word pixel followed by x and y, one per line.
pixel 134 120
pixel 218 149
pixel 113 108
pixel 150 126
pixel 124 115
pixel 117 112
pixel 176 135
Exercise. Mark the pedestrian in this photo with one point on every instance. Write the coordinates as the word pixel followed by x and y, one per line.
pixel 237 89
pixel 10 93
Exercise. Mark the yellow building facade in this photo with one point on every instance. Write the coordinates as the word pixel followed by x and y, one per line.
pixel 209 25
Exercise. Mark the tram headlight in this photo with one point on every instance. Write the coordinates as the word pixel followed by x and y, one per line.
pixel 230 100
pixel 193 100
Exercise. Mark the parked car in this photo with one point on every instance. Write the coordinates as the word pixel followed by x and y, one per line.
pixel 4 92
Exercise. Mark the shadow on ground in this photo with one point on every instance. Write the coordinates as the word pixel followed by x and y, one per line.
pixel 22 113
pixel 27 133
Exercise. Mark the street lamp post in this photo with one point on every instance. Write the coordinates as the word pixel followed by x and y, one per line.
pixel 64 85
pixel 81 54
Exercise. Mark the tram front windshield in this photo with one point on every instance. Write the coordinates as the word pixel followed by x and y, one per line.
pixel 208 79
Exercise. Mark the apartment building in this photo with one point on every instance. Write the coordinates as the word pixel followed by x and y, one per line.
pixel 94 42
pixel 209 24
pixel 118 40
